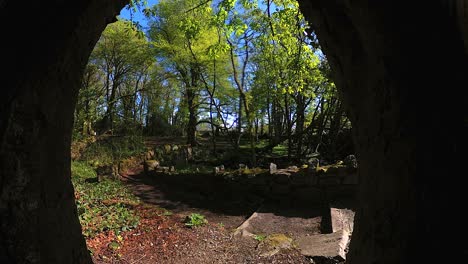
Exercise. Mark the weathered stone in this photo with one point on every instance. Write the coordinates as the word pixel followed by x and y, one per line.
pixel 280 189
pixel 382 123
pixel 218 169
pixel 320 170
pixel 167 149
pixel 329 246
pixel 107 171
pixel 342 172
pixel 352 178
pixel 329 180
pixel 150 165
pixel 259 180
pixel 149 155
pixel 342 219
pixel 350 161
pixel 172 169
pixel 310 195
pixel 273 168
pixel 336 170
pixel 273 219
pixel 163 169
pixel 313 163
pixel 281 177
pixel 180 158
pixel 273 244
pixel 300 179
pixel 189 153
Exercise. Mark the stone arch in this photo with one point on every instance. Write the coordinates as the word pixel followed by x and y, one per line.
pixel 381 53
pixel 385 61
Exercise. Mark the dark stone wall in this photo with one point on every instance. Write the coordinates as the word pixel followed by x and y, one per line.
pixel 43 58
pixel 402 68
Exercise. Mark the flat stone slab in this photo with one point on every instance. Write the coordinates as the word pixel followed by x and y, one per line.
pixel 326 246
pixel 342 219
pixel 291 222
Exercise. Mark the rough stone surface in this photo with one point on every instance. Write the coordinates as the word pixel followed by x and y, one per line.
pixel 292 222
pixel 313 163
pixel 150 165
pixel 350 161
pixel 330 246
pixel 38 218
pixel 342 219
pixel 352 178
pixel 372 57
pixel 273 244
pixel 273 168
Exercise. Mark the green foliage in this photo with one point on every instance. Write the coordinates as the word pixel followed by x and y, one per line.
pixel 195 220
pixel 259 238
pixel 113 149
pixel 102 206
pixel 192 52
pixel 237 64
pixel 115 76
pixel 280 150
pixel 81 171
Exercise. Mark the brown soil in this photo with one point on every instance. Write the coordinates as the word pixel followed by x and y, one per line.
pixel 163 238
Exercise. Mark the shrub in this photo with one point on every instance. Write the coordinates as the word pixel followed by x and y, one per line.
pixel 195 220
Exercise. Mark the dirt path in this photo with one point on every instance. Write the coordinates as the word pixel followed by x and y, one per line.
pixel 180 200
pixel 162 237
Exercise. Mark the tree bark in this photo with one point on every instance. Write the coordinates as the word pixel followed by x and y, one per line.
pixel 381 52
pixel 192 97
pixel 38 217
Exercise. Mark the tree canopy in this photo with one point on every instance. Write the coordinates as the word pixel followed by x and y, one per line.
pixel 245 70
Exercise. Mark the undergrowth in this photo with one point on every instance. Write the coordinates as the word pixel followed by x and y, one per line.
pixel 112 149
pixel 104 205
pixel 195 220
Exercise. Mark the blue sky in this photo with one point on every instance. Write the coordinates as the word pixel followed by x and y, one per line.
pixel 137 16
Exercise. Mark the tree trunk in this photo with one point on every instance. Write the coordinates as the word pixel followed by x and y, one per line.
pixel 287 115
pixel 192 121
pixel 300 113
pixel 38 217
pixel 335 126
pixel 381 52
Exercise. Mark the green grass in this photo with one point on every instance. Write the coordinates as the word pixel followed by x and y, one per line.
pixel 102 206
pixel 113 149
pixel 280 150
pixel 195 220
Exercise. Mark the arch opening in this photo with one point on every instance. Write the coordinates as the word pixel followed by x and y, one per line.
pixel 126 95
pixel 372 57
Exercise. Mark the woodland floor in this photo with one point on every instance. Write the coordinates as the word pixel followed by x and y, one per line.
pixel 162 237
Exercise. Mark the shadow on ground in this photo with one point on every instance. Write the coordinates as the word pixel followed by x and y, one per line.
pixel 220 200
